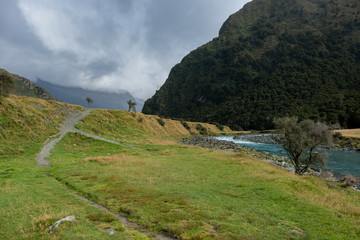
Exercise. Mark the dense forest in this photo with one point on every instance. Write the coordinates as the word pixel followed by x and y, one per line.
pixel 273 58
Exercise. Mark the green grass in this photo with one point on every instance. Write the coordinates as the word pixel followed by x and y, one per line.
pixel 31 201
pixel 127 127
pixel 183 191
pixel 194 193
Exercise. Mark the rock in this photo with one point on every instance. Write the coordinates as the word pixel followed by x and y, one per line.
pixel 259 138
pixel 210 143
pixel 4 172
pixel 57 223
pixel 111 231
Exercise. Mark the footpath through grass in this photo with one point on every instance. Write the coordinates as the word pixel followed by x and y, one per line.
pixel 30 202
pixel 193 193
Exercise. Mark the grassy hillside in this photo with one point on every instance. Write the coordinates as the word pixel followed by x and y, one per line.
pixel 24 87
pixel 140 128
pixel 186 192
pixel 30 201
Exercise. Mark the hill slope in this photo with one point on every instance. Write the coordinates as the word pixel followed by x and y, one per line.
pixel 272 58
pixel 24 87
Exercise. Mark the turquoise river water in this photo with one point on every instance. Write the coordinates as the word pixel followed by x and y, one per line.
pixel 339 163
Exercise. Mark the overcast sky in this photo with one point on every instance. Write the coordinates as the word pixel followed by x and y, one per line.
pixel 107 45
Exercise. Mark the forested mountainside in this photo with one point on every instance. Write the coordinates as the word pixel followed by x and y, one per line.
pixel 272 58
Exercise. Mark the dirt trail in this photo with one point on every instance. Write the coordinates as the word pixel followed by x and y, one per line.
pixel 125 221
pixel 69 126
pixel 103 139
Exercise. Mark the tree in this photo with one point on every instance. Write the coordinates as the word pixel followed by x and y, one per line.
pixel 7 83
pixel 89 100
pixel 302 141
pixel 131 105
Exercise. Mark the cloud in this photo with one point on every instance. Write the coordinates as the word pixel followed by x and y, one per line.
pixel 108 45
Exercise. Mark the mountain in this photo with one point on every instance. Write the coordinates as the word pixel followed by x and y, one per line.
pixel 272 58
pixel 24 87
pixel 76 95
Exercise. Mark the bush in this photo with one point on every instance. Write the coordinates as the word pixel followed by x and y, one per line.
pixel 220 127
pixel 161 122
pixel 186 125
pixel 337 135
pixel 202 130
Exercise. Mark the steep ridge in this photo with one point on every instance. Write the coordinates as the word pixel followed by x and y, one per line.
pixel 24 87
pixel 272 58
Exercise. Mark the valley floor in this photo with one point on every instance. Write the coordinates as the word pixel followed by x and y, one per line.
pixel 162 186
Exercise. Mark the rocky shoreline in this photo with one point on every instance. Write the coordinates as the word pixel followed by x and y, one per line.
pixel 266 138
pixel 211 143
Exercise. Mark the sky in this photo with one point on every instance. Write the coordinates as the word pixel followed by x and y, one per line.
pixel 107 45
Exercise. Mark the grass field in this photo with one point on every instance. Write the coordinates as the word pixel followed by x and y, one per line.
pixel 186 192
pixel 352 133
pixel 30 201
pixel 194 193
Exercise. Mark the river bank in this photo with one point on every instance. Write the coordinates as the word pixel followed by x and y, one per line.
pixel 225 145
pixel 341 143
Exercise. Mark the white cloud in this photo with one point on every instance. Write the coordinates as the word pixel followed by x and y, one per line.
pixel 113 45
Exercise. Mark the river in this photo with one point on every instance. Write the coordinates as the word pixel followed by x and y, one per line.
pixel 339 163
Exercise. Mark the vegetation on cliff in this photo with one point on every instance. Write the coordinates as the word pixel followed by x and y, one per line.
pixel 24 87
pixel 271 59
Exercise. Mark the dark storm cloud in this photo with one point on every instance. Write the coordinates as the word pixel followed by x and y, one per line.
pixel 109 45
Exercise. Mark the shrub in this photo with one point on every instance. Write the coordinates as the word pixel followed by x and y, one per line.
pixel 337 135
pixel 186 125
pixel 220 127
pixel 202 130
pixel 161 122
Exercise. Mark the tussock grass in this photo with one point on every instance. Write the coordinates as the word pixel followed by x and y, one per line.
pixel 25 119
pixel 122 126
pixel 350 133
